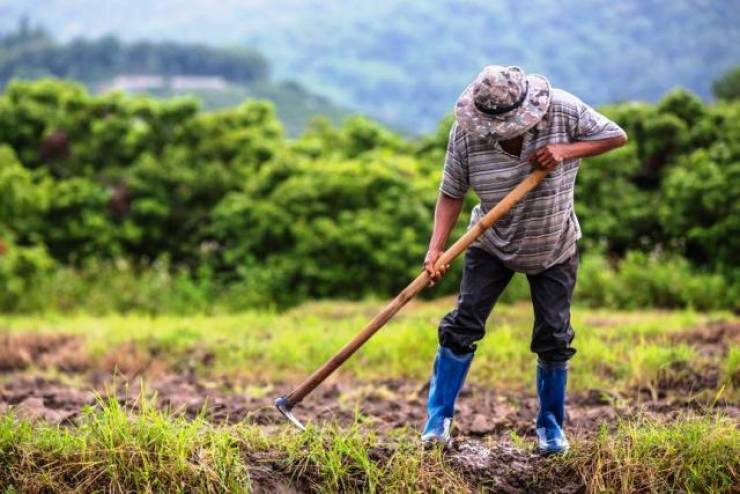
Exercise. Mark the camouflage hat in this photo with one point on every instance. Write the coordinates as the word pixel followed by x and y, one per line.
pixel 502 102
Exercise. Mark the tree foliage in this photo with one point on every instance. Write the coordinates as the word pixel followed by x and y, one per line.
pixel 727 87
pixel 338 212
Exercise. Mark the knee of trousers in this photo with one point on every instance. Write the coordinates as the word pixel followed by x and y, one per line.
pixel 459 330
pixel 552 342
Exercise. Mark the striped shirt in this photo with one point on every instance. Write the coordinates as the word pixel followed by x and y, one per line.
pixel 542 229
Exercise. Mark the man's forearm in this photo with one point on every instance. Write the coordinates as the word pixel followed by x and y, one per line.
pixel 551 155
pixel 445 216
pixel 584 149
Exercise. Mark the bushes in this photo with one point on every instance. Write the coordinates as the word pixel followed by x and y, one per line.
pixel 34 283
pixel 243 216
pixel 102 287
pixel 22 271
pixel 701 206
pixel 329 228
pixel 657 280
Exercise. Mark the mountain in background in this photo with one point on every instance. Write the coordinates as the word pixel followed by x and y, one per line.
pixel 406 61
pixel 218 77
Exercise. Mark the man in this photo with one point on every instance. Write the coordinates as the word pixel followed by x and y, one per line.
pixel 506 122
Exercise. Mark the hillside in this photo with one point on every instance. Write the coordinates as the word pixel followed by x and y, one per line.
pixel 219 77
pixel 405 62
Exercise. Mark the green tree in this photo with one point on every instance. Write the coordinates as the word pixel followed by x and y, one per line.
pixel 727 87
pixel 701 206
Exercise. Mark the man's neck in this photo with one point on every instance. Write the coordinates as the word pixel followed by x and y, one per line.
pixel 513 146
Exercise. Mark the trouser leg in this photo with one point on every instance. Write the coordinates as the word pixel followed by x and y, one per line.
pixel 484 278
pixel 552 294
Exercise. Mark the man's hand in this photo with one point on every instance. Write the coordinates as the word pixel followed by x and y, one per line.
pixel 429 262
pixel 550 156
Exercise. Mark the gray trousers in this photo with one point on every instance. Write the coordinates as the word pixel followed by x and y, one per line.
pixel 484 278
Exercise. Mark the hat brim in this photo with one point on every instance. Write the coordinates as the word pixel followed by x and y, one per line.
pixel 510 124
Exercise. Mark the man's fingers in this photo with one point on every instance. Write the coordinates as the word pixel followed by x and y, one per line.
pixel 434 272
pixel 544 158
pixel 434 278
pixel 549 161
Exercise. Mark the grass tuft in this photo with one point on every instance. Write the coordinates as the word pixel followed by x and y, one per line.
pixel 690 455
pixel 114 449
pixel 111 450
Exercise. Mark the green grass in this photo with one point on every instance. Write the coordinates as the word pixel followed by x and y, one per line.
pixel 689 455
pixel 731 366
pixel 615 349
pixel 114 450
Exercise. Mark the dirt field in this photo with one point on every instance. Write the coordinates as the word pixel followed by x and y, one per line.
pixel 49 377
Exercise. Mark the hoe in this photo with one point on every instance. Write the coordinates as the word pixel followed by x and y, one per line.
pixel 286 403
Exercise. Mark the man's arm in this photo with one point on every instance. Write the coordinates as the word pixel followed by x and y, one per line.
pixel 550 156
pixel 445 216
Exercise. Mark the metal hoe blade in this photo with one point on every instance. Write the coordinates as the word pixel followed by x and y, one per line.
pixel 284 407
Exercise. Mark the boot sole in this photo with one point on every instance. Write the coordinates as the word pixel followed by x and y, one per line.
pixel 436 442
pixel 552 452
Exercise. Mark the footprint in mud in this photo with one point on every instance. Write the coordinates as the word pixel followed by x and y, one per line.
pixel 504 467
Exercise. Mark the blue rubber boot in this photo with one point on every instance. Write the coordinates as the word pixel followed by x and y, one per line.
pixel 552 378
pixel 448 377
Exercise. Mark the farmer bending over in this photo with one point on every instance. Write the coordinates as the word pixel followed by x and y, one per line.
pixel 505 122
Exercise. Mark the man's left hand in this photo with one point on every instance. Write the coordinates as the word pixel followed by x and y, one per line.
pixel 550 156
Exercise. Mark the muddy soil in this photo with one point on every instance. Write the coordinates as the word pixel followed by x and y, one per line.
pixel 384 405
pixel 486 450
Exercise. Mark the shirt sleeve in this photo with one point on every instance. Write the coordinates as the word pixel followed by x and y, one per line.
pixel 455 175
pixel 590 125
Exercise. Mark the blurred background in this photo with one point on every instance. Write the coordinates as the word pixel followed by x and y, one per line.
pixel 190 156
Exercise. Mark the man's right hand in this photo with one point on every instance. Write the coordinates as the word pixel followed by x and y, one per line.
pixel 435 274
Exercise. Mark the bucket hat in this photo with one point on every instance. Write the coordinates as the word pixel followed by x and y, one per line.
pixel 502 102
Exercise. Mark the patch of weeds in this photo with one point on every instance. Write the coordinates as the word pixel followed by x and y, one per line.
pixel 353 460
pixel 651 363
pixel 519 441
pixel 731 367
pixel 689 455
pixel 111 450
pixel 114 449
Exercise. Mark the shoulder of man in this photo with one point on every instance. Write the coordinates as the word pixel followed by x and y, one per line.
pixel 457 133
pixel 563 101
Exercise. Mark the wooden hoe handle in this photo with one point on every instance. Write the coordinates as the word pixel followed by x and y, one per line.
pixel 421 281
